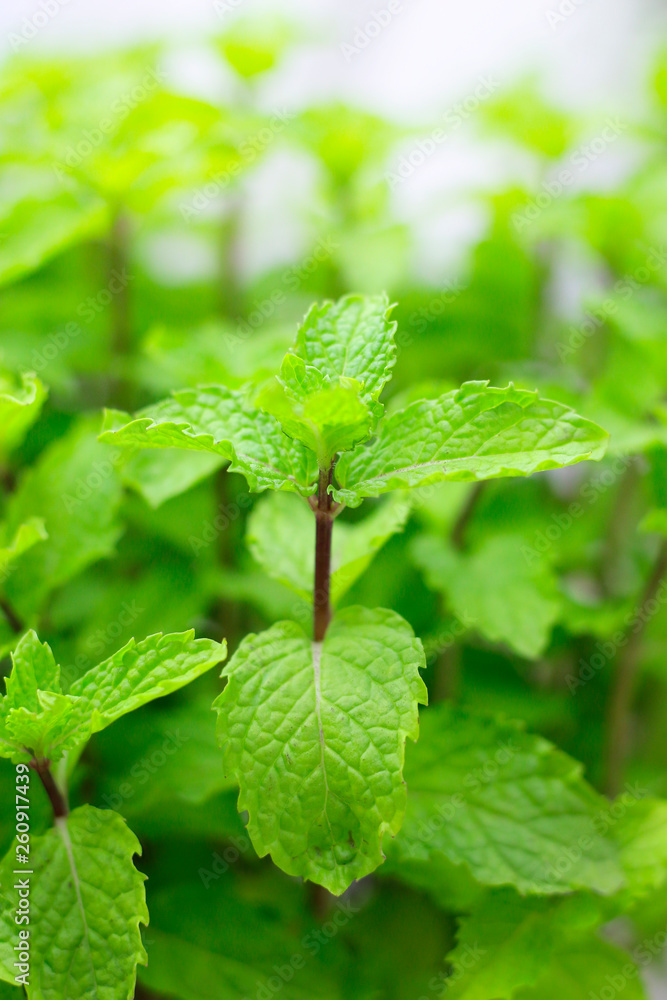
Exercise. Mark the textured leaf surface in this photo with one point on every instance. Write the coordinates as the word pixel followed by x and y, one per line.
pixel 75 488
pixel 219 420
pixel 476 432
pixel 506 804
pixel 281 537
pixel 142 671
pixel 86 903
pixel 20 406
pixel 496 588
pixel 351 338
pixel 641 833
pixel 315 733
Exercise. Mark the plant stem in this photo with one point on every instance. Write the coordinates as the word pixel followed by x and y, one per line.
pixel 323 534
pixel 57 799
pixel 13 619
pixel 468 509
pixel 619 705
pixel 121 332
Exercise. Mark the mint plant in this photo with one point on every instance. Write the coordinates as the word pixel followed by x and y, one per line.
pixel 313 725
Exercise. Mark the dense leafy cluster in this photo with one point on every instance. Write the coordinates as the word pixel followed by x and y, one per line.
pixel 434 762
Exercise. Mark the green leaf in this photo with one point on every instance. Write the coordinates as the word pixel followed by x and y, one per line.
pixel 529 948
pixel 20 405
pixel 495 588
pixel 507 941
pixel 86 903
pixel 75 488
pixel 142 671
pixel 281 537
pixel 219 420
pixel 583 969
pixel 38 720
pixel 160 475
pixel 476 432
pixel 25 536
pixel 641 833
pixel 352 338
pixel 504 803
pixel 315 734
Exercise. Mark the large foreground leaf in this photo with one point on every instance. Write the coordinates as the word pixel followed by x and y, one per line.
pixel 86 903
pixel 218 420
pixel 504 803
pixel 315 733
pixel 476 432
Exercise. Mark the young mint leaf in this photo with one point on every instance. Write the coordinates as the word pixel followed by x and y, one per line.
pixel 75 488
pixel 37 720
pixel 315 734
pixel 281 532
pixel 506 804
pixel 60 723
pixel 476 432
pixel 327 420
pixel 142 671
pixel 219 420
pixel 494 587
pixel 87 901
pixel 20 405
pixel 24 537
pixel 351 338
pixel 33 669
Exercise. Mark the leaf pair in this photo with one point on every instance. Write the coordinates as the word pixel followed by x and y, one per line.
pixel 38 720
